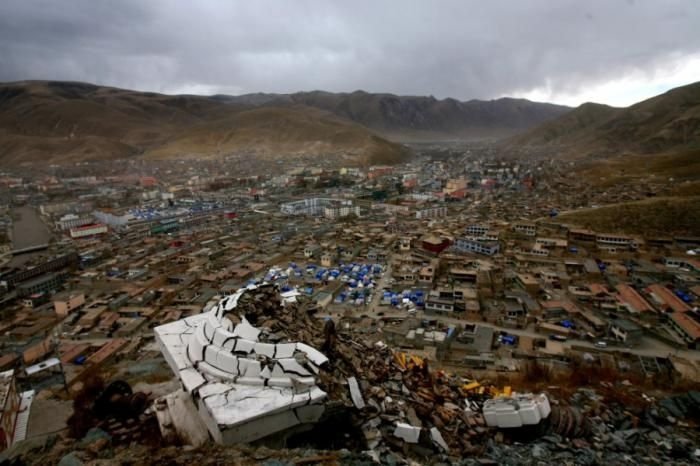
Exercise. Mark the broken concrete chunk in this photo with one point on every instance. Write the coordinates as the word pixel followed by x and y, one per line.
pixel 407 432
pixel 285 350
pixel 314 355
pixel 437 439
pixel 292 367
pixel 191 379
pixel 244 346
pixel 265 349
pixel 355 393
pixel 246 331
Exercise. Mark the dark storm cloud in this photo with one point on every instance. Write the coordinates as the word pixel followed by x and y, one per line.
pixel 445 48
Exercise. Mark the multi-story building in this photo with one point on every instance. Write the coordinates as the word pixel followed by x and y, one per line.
pixel 434 212
pixel 67 303
pixel 341 211
pixel 527 229
pixel 70 221
pixel 577 234
pixel 57 263
pixel 607 239
pixel 43 284
pixel 85 231
pixel 476 231
pixel 477 247
pixel 316 206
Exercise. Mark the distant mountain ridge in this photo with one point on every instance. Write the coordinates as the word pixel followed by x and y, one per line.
pixel 419 117
pixel 58 122
pixel 667 122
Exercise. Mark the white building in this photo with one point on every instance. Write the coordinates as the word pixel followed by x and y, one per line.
pixel 69 221
pixel 433 212
pixel 477 247
pixel 88 230
pixel 321 206
pixel 341 211
pixel 243 389
pixel 476 231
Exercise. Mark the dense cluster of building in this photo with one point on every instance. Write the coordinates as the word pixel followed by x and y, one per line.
pixel 462 260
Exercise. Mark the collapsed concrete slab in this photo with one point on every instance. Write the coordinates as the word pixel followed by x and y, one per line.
pixel 244 389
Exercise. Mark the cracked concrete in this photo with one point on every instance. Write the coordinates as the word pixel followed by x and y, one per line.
pixel 244 389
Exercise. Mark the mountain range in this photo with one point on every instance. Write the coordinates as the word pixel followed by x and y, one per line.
pixel 666 122
pixel 60 121
pixel 419 118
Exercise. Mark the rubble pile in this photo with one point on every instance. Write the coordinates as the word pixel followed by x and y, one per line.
pixel 402 412
pixel 404 409
pixel 98 448
pixel 399 403
pixel 644 433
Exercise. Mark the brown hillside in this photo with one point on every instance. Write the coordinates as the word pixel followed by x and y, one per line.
pixel 67 122
pixel 670 121
pixel 420 118
pixel 272 131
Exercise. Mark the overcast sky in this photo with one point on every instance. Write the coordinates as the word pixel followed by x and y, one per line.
pixel 563 51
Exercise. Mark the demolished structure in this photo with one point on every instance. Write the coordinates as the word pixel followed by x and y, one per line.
pixel 245 381
pixel 249 369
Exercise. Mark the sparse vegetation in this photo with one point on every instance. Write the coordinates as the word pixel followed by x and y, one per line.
pixel 68 122
pixel 656 216
pixel 670 121
pixel 679 166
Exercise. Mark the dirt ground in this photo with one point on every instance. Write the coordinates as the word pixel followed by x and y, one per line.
pixel 48 416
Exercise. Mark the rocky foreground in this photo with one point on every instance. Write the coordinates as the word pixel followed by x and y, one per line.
pixel 663 432
pixel 606 423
